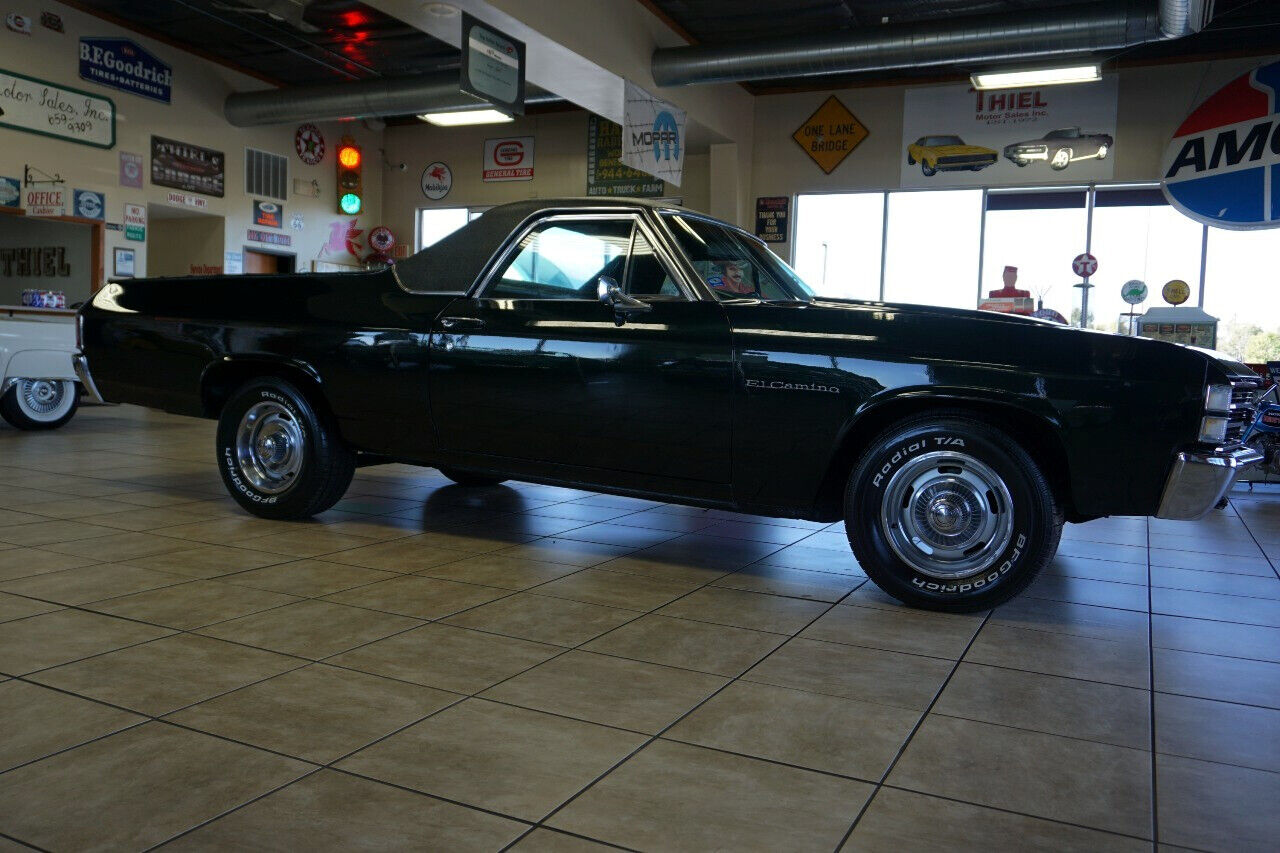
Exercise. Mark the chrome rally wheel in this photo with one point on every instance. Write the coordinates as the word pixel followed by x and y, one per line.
pixel 270 447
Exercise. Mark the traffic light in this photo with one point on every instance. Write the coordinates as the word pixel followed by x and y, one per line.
pixel 350 182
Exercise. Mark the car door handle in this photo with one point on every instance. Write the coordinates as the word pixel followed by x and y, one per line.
pixel 461 323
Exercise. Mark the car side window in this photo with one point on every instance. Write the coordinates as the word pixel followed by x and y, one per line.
pixel 647 275
pixel 563 259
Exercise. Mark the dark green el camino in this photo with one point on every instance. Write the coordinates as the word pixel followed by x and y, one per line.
pixel 643 350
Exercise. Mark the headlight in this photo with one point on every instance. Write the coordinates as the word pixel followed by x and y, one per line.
pixel 1213 429
pixel 1217 398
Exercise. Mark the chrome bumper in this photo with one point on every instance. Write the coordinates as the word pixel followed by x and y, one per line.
pixel 1199 480
pixel 81 365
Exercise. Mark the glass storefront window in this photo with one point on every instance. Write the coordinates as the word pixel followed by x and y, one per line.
pixel 932 248
pixel 1038 234
pixel 1242 289
pixel 838 243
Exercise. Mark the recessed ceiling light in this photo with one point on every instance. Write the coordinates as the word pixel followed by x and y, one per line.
pixel 1036 77
pixel 441 10
pixel 465 117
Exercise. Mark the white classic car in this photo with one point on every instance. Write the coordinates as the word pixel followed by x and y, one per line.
pixel 37 376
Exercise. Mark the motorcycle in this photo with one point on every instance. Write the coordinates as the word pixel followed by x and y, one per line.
pixel 1264 433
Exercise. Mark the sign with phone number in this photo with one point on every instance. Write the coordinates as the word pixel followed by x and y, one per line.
pixel 45 108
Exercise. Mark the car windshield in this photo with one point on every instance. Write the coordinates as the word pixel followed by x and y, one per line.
pixel 931 141
pixel 1065 133
pixel 734 265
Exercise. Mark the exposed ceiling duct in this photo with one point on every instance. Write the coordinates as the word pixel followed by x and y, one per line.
pixel 978 40
pixel 377 98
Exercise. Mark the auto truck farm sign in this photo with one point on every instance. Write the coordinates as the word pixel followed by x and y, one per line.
pixel 1223 165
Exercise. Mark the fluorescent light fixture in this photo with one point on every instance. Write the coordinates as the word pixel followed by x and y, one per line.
pixel 1038 77
pixel 465 117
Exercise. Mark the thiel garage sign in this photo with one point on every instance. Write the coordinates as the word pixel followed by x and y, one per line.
pixel 1223 165
pixel 123 65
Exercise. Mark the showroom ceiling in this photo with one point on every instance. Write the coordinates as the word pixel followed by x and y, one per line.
pixel 1238 26
pixel 291 42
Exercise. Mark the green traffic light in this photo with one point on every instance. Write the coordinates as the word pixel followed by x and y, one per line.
pixel 350 204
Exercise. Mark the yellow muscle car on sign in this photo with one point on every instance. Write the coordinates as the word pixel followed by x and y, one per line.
pixel 948 154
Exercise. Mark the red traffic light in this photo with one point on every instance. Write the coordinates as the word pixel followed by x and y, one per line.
pixel 349 156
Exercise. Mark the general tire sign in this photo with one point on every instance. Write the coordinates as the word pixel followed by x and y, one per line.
pixel 509 159
pixel 1223 165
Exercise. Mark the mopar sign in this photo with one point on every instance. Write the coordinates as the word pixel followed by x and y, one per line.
pixel 1223 165
pixel 664 138
pixel 123 65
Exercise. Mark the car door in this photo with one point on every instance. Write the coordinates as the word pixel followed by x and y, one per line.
pixel 535 373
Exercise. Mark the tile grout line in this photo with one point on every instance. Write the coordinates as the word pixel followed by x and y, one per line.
pixel 1151 701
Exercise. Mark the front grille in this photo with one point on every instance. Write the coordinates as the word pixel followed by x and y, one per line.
pixel 966 160
pixel 1244 392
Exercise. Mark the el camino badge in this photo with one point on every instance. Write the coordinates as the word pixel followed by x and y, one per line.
pixel 791 386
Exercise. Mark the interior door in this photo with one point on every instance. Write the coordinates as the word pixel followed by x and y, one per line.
pixel 542 375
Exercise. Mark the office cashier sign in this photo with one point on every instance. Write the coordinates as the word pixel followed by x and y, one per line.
pixel 1223 165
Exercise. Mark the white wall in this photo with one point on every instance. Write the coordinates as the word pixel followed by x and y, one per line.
pixel 195 116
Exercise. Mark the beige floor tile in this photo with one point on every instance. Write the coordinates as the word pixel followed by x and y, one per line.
pixel 16 562
pixel 135 789
pixel 810 730
pixel 1101 570
pixel 307 540
pixel 702 646
pixel 1218 731
pixel 544 619
pixel 568 551
pixel 672 796
pixel 61 533
pixel 420 597
pixel 696 572
pixel 892 824
pixel 496 570
pixel 307 578
pixel 868 675
pixel 935 634
pixel 335 811
pixel 1249 682
pixel 170 673
pixel 10 517
pixel 123 517
pixel 612 691
pixel 1099 593
pixel 91 583
pixel 1123 662
pixel 472 539
pixel 1225 608
pixel 802 556
pixel 27 645
pixel 1215 582
pixel 517 762
pixel 1216 806
pixel 310 629
pixel 1065 617
pixel 238 529
pixel 1090 784
pixel 447 657
pixel 118 546
pixel 1044 703
pixel 193 604
pixel 615 589
pixel 746 610
pixel 1254 642
pixel 39 722
pixel 543 840
pixel 318 713
pixel 400 555
pixel 208 561
pixel 16 607
pixel 796 583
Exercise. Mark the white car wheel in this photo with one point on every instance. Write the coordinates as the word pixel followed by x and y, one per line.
pixel 39 403
pixel 1102 152
pixel 1061 159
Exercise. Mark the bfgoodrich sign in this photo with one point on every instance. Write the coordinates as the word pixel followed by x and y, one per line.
pixel 123 65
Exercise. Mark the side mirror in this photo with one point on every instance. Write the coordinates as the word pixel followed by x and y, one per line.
pixel 623 305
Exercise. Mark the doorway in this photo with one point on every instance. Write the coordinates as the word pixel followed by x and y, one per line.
pixel 258 262
pixel 183 242
pixel 61 254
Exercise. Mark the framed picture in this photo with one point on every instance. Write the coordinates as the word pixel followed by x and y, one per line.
pixel 124 263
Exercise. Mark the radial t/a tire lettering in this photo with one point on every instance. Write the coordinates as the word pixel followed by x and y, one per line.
pixel 946 512
pixel 279 456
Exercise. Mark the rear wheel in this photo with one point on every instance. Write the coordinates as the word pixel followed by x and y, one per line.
pixel 35 404
pixel 463 477
pixel 929 171
pixel 945 512
pixel 280 457
pixel 1061 159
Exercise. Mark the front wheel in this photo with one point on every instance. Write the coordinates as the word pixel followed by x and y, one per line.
pixel 1061 159
pixel 36 404
pixel 929 171
pixel 947 513
pixel 279 457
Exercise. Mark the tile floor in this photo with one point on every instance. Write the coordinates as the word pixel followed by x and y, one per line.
pixel 434 667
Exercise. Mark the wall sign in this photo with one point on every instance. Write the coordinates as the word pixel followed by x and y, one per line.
pixel 44 108
pixel 233 263
pixel 606 176
pixel 830 134
pixel 135 222
pixel 124 65
pixel 1176 292
pixel 52 21
pixel 46 202
pixel 184 200
pixel 1084 265
pixel 437 180
pixel 508 159
pixel 297 222
pixel 10 192
pixel 268 214
pixel 130 170
pixel 187 167
pixel 18 23
pixel 653 135
pixel 955 136
pixel 38 262
pixel 382 240
pixel 492 66
pixel 1221 165
pixel 89 205
pixel 125 263
pixel 1134 292
pixel 308 141
pixel 268 237
pixel 771 218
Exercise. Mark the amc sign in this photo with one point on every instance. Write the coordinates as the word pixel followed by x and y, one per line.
pixel 509 159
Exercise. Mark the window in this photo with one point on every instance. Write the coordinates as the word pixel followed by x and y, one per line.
pixel 266 174
pixel 648 276
pixel 932 247
pixel 732 264
pixel 564 259
pixel 838 243
pixel 1241 291
pixel 436 223
pixel 1038 234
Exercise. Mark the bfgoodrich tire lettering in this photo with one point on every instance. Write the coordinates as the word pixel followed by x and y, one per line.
pixel 948 513
pixel 279 457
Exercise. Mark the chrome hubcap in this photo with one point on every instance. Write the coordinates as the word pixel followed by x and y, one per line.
pixel 947 515
pixel 41 396
pixel 269 447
